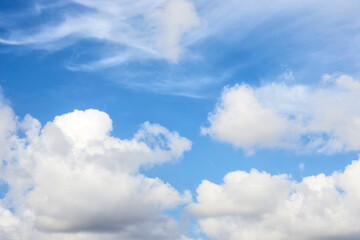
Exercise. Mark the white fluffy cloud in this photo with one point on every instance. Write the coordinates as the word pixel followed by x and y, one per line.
pixel 322 118
pixel 257 205
pixel 72 180
pixel 150 29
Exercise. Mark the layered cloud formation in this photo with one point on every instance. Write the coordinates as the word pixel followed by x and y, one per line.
pixel 257 205
pixel 323 118
pixel 71 179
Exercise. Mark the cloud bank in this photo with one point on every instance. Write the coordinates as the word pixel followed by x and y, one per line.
pixel 323 118
pixel 257 205
pixel 71 179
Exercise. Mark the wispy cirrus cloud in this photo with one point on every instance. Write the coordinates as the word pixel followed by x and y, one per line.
pixel 161 27
pixel 309 37
pixel 152 29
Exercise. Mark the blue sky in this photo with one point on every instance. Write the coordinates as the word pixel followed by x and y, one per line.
pixel 226 87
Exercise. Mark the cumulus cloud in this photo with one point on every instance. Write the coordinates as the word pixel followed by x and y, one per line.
pixel 322 118
pixel 257 205
pixel 71 179
pixel 133 29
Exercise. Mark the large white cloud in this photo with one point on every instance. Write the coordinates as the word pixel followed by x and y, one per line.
pixel 257 205
pixel 323 117
pixel 72 180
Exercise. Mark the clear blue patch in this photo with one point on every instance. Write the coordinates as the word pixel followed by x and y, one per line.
pixel 4 188
pixel 12 210
pixel 30 189
pixel 340 190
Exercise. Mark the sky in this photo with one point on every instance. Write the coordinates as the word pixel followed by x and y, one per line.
pixel 179 119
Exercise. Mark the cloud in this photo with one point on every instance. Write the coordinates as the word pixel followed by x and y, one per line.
pixel 220 16
pixel 257 205
pixel 71 179
pixel 132 29
pixel 322 118
pixel 162 29
pixel 172 22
